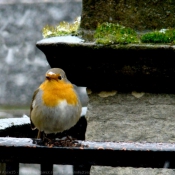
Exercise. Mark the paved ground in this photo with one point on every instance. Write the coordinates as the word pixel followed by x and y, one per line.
pixel 136 117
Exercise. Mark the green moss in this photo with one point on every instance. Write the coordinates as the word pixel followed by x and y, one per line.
pixel 109 33
pixel 162 36
pixel 63 28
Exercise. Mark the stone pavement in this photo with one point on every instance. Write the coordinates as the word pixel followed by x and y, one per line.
pixel 131 117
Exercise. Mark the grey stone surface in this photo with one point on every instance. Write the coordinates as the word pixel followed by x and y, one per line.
pixel 22 65
pixel 130 171
pixel 131 117
pixel 139 15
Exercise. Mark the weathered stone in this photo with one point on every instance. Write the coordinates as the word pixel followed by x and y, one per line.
pixel 124 117
pixel 130 171
pixel 139 15
pixel 140 67
pixel 22 65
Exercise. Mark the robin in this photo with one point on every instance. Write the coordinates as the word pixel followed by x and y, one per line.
pixel 57 104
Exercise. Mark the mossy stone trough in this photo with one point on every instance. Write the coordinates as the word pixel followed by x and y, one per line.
pixel 125 67
pixel 146 67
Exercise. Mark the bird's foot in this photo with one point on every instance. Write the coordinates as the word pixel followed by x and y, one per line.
pixel 48 140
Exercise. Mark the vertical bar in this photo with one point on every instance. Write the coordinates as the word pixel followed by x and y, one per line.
pixel 2 169
pixel 81 169
pixel 46 169
pixel 12 168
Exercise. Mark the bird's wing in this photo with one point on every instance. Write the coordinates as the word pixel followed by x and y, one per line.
pixel 31 108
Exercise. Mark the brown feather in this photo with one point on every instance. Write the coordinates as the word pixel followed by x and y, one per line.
pixel 31 108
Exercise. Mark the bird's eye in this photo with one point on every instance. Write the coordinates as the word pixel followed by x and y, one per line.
pixel 60 77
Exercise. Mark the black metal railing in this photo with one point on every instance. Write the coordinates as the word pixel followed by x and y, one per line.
pixel 116 154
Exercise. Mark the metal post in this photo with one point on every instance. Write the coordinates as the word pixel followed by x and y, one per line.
pixel 46 169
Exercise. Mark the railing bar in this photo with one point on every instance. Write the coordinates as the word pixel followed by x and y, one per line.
pixel 81 169
pixel 46 168
pixel 12 168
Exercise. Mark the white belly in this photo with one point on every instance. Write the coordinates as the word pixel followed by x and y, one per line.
pixel 55 119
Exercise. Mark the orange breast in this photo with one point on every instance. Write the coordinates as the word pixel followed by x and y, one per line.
pixel 56 91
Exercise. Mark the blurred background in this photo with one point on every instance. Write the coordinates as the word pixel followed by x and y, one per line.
pixel 22 65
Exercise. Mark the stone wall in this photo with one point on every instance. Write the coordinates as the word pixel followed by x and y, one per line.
pixel 22 65
pixel 139 15
pixel 131 117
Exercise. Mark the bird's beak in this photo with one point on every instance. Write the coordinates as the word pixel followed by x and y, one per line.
pixel 51 76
